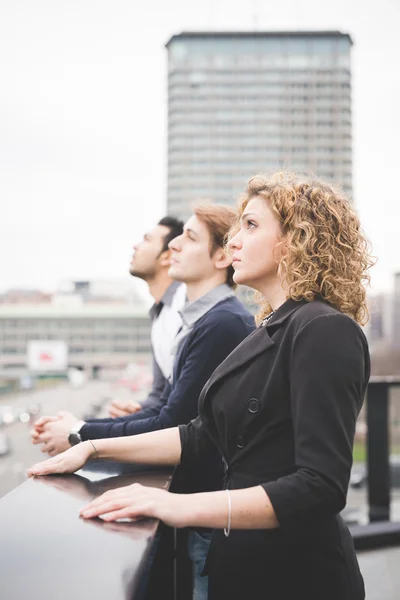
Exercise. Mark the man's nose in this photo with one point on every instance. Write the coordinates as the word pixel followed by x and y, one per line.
pixel 175 244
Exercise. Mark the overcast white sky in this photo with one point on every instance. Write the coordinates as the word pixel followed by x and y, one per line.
pixel 83 123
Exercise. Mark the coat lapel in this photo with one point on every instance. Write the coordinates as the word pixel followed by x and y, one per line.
pixel 256 343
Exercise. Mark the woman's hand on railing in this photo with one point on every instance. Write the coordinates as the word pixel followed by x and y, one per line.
pixel 136 501
pixel 67 462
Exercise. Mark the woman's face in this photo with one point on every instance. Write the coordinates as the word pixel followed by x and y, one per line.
pixel 255 256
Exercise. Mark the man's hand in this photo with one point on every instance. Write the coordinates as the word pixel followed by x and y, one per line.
pixel 53 432
pixel 122 408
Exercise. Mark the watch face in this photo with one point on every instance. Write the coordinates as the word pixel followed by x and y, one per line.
pixel 74 438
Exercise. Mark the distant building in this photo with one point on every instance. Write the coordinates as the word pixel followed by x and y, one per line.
pixel 98 334
pixel 376 324
pixel 104 290
pixel 379 328
pixel 25 295
pixel 240 103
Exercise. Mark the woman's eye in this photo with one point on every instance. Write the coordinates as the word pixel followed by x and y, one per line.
pixel 251 224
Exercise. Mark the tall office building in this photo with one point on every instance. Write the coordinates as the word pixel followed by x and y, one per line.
pixel 246 102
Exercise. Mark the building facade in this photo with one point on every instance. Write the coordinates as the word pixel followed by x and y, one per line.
pixel 244 103
pixel 106 335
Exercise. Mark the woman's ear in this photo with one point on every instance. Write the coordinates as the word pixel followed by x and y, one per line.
pixel 280 251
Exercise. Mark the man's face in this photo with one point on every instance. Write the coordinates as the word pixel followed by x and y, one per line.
pixel 146 256
pixel 190 253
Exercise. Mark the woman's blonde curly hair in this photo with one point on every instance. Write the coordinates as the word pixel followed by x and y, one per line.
pixel 326 251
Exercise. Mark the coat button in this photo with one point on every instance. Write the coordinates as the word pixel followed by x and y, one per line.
pixel 240 443
pixel 253 406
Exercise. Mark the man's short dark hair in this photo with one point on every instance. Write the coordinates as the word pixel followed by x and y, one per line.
pixel 175 227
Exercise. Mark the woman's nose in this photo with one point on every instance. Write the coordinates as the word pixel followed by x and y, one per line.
pixel 235 242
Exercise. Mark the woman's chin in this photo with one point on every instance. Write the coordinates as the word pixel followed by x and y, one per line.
pixel 239 278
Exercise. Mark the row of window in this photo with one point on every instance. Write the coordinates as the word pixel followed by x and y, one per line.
pixel 233 113
pixel 22 338
pixel 283 125
pixel 200 180
pixel 63 324
pixel 239 130
pixel 266 96
pixel 90 350
pixel 256 71
pixel 290 61
pixel 235 185
pixel 237 135
pixel 228 172
pixel 257 146
pixel 254 86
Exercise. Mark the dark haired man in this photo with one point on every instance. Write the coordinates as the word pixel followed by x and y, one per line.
pixel 150 262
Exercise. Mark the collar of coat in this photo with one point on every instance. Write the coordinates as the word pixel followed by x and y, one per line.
pixel 283 313
pixel 261 341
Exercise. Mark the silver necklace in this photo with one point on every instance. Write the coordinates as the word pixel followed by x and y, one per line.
pixel 267 318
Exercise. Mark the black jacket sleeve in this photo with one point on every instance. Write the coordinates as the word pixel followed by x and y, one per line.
pixel 329 370
pixel 201 468
pixel 207 348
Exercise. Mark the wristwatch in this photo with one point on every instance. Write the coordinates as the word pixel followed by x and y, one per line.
pixel 74 435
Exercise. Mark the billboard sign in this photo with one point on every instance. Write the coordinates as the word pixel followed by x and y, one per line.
pixel 47 355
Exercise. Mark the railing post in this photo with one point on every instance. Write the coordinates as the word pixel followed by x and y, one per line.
pixel 378 451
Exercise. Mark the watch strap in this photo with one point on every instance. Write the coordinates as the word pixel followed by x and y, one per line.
pixel 77 427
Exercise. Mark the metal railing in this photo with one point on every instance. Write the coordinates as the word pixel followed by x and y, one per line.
pixel 380 531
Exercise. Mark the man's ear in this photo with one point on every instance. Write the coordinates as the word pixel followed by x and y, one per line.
pixel 222 260
pixel 164 258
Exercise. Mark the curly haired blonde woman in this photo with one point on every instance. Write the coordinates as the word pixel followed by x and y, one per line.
pixel 281 409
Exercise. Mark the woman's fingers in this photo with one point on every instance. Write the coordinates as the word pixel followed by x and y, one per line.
pixel 113 510
pixel 133 500
pixel 46 467
pixel 109 497
pixel 125 513
pixel 103 509
pixel 67 462
pixel 137 501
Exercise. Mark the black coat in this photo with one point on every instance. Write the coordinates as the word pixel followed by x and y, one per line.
pixel 282 410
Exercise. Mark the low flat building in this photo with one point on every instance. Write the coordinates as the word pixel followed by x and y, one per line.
pixel 105 335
